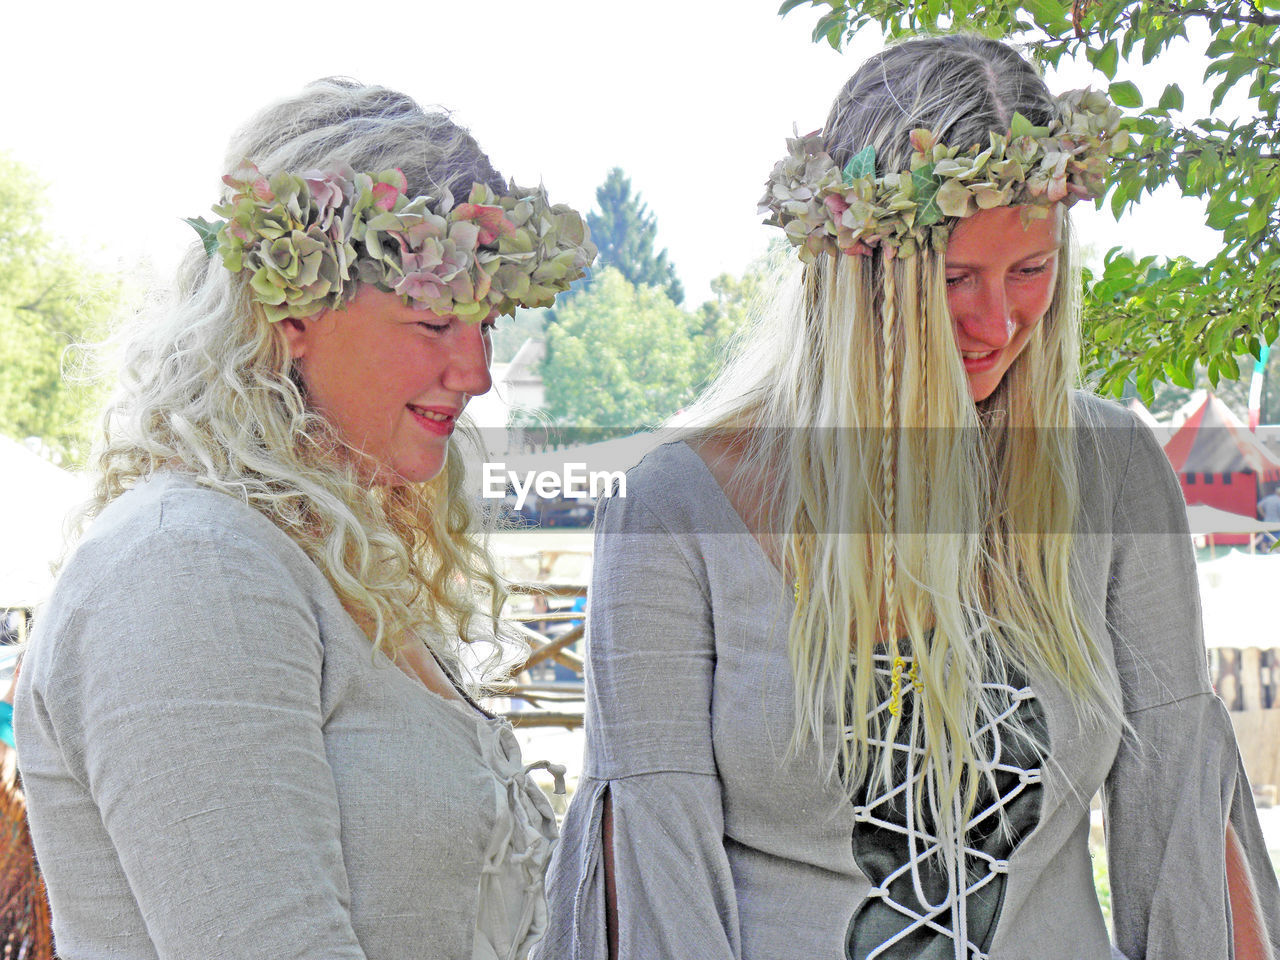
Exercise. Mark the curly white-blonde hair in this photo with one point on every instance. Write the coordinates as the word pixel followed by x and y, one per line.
pixel 207 388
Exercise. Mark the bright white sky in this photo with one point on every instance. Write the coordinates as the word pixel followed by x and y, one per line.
pixel 125 109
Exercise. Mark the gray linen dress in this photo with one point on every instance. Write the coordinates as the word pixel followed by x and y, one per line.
pixel 728 846
pixel 217 764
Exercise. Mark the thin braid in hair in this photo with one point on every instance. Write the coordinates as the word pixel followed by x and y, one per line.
pixel 887 450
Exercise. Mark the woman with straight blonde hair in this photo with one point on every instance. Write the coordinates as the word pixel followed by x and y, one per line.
pixel 864 646
pixel 244 721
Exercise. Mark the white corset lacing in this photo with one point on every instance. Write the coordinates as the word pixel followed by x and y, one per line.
pixel 512 912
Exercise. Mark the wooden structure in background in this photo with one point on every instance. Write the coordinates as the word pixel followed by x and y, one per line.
pixel 1248 681
pixel 557 703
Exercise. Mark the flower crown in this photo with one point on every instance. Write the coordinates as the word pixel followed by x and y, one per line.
pixel 824 209
pixel 309 240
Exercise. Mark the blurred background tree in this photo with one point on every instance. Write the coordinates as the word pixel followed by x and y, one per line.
pixel 619 356
pixel 625 357
pixel 719 319
pixel 49 300
pixel 624 231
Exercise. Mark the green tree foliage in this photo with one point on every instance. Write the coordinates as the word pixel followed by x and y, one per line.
pixel 624 230
pixel 1147 321
pixel 48 301
pixel 1232 390
pixel 620 355
pixel 719 319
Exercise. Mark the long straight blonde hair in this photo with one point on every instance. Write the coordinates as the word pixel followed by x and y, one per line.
pixel 910 518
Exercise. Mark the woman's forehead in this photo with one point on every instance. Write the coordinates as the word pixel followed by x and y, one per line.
pixel 1004 232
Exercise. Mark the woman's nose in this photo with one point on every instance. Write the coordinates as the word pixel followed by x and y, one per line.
pixel 987 318
pixel 468 370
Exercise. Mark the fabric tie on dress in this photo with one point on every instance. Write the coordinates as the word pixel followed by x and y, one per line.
pixel 512 914
pixel 556 770
pixel 927 902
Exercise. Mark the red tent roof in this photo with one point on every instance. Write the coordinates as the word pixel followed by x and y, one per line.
pixel 1214 440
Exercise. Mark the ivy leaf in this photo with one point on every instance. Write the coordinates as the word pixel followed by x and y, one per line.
pixel 1049 14
pixel 1020 126
pixel 861 164
pixel 206 231
pixel 1179 377
pixel 1232 69
pixel 926 195
pixel 1257 217
pixel 831 28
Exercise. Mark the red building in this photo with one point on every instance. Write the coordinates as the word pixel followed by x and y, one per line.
pixel 1219 462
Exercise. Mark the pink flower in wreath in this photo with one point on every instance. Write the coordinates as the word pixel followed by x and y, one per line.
pixel 385 196
pixel 247 180
pixel 329 192
pixel 491 221
pixel 430 273
pixel 836 204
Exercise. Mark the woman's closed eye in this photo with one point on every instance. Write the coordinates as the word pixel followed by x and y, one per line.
pixel 1026 271
pixel 1034 269
pixel 441 327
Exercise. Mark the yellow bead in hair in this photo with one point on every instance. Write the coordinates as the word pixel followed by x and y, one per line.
pixel 895 685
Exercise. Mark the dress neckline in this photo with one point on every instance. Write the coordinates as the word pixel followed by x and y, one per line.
pixel 726 506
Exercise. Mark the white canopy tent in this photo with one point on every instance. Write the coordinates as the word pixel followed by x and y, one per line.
pixel 35 500
pixel 1204 519
pixel 1237 595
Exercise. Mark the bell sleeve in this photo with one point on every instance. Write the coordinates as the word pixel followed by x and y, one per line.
pixel 649 670
pixel 1177 779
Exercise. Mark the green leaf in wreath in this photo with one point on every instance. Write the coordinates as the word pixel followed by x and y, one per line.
pixel 926 195
pixel 861 164
pixel 1020 126
pixel 208 232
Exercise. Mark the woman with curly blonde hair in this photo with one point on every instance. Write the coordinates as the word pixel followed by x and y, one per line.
pixel 861 649
pixel 244 720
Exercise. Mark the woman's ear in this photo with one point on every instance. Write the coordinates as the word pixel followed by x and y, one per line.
pixel 297 334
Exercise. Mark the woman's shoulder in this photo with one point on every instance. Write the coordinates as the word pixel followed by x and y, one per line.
pixel 671 481
pixel 673 488
pixel 670 467
pixel 176 502
pixel 1108 435
pixel 1103 419
pixel 170 516
pixel 1124 472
